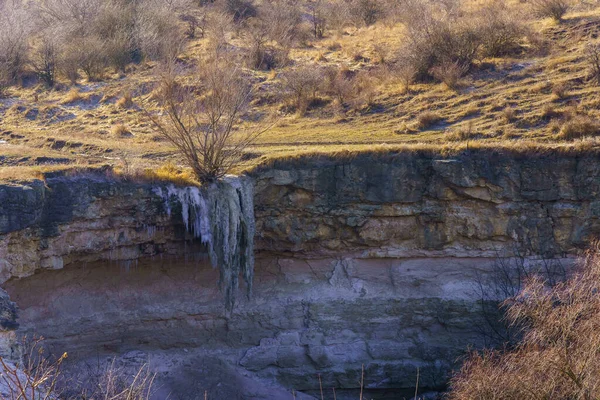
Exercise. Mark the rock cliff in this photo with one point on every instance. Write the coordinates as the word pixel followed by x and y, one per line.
pixel 369 259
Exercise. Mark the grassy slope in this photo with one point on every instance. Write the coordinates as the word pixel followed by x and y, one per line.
pixel 41 130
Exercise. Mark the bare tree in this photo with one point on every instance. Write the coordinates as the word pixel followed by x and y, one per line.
pixel 14 31
pixel 203 120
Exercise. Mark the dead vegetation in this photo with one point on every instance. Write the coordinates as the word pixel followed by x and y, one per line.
pixel 558 355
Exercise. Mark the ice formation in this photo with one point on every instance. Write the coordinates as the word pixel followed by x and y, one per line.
pixel 221 215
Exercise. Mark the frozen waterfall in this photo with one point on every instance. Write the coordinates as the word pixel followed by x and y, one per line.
pixel 221 215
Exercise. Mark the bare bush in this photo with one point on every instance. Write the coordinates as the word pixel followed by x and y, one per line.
pixel 559 354
pixel 273 33
pixel 284 19
pixel 91 35
pixel 35 378
pixel 406 72
pixel 218 25
pixel 427 119
pixel 340 85
pixel 195 24
pixel 436 37
pixel 500 29
pixel 116 383
pixel 509 275
pixel 157 31
pixel 449 73
pixel 579 127
pixel 44 60
pixel 239 9
pixel 318 15
pixel 554 9
pixel 14 32
pixel 85 53
pixel 301 85
pixel 364 12
pixel 592 55
pixel 262 53
pixel 205 126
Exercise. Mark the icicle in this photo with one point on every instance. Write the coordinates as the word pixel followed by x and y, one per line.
pixel 221 215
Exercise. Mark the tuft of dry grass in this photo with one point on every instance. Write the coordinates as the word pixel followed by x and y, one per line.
pixel 509 114
pixel 120 131
pixel 560 91
pixel 126 101
pixel 170 173
pixel 73 96
pixel 167 172
pixel 427 119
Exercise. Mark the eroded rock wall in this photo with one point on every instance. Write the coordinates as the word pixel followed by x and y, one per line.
pixel 372 259
pixel 422 205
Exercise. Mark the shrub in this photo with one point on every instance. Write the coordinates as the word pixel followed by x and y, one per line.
pixel 449 73
pixel 558 356
pixel 592 55
pixel 364 12
pixel 500 30
pixel 126 101
pixel 281 20
pixel 301 85
pixel 318 15
pixel 340 85
pixel 434 39
pixel 509 114
pixel 44 60
pixel 549 112
pixel 365 87
pixel 554 9
pixel 195 25
pixel 120 131
pixel 462 134
pixel 239 9
pixel 158 32
pixel 206 129
pixel 84 53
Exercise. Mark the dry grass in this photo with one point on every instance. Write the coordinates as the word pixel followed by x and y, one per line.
pixel 428 119
pixel 120 131
pixel 73 96
pixel 126 101
pixel 579 127
pixel 384 115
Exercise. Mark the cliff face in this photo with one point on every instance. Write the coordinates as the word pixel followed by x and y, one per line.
pixel 370 260
pixel 417 205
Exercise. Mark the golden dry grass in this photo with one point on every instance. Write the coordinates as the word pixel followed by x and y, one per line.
pixel 527 101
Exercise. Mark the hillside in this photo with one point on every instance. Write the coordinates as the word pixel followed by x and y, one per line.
pixel 538 91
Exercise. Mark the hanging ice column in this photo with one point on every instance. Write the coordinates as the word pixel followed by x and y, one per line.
pixel 221 215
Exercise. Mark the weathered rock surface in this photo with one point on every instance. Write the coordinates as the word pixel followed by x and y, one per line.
pixel 367 260
pixel 404 205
